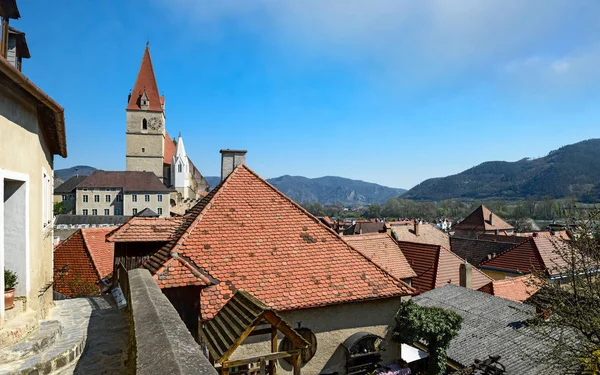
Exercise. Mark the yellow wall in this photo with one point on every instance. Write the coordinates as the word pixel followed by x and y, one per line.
pixel 499 275
pixel 23 150
pixel 332 325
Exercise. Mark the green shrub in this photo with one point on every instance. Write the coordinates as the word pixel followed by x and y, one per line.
pixel 10 279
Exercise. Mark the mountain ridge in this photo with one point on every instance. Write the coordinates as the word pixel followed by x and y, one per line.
pixel 569 171
pixel 325 190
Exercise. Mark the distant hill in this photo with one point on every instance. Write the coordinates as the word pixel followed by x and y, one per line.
pixel 65 174
pixel 572 170
pixel 328 190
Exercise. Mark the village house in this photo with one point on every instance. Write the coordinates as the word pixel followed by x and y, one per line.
pixel 518 289
pixel 83 263
pixel 117 193
pixel 247 236
pixel 420 233
pixel 536 253
pixel 32 129
pixel 437 266
pixel 476 251
pixel 480 222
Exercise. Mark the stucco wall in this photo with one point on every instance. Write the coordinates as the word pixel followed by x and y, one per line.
pixel 100 206
pixel 141 203
pixel 332 325
pixel 69 204
pixel 23 151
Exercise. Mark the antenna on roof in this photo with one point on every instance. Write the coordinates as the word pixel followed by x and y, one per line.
pixel 147 43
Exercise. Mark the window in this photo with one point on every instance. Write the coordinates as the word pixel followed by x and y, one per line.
pixel 85 211
pixel 144 124
pixel 117 211
pixel 85 198
pixel 179 168
pixel 94 212
pixel 106 211
pixel 96 197
pixel 159 211
pixel 64 198
pixel 119 198
pixel 85 189
pixel 134 211
pixel 107 189
pixel 159 197
pixel 134 197
pixel 143 149
pixel 107 198
pixel 147 197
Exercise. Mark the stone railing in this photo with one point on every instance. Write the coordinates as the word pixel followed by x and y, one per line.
pixel 162 343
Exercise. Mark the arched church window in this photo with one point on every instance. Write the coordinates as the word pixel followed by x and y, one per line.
pixel 144 124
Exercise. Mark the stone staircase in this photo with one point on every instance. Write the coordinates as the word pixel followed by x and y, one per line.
pixel 80 336
pixel 42 347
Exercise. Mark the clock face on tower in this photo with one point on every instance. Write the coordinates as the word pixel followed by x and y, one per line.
pixel 155 123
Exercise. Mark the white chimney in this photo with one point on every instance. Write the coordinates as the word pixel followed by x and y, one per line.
pixel 231 159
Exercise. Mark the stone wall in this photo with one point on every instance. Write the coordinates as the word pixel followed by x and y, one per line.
pixel 162 342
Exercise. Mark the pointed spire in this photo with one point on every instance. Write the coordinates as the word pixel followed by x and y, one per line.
pixel 146 81
pixel 180 151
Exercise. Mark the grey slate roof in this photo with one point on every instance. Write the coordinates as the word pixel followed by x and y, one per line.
pixel 491 326
pixel 476 251
pixel 64 219
pixel 69 185
pixel 146 212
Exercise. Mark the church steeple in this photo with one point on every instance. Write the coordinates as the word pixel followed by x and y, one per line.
pixel 146 88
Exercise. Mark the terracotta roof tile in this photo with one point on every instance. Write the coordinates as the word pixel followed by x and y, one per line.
pixel 516 289
pixel 479 220
pixel 248 235
pixel 537 253
pixel 427 234
pixel 146 229
pixel 146 81
pixel 383 251
pixel 84 257
pixel 437 266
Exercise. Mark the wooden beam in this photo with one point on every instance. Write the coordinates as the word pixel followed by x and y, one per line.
pixel 268 357
pixel 273 363
pixel 4 44
pixel 263 331
pixel 296 364
pixel 276 321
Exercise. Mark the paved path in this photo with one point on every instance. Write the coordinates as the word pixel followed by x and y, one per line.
pixel 106 344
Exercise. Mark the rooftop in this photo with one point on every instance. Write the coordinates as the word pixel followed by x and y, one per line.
pixel 476 251
pixel 479 220
pixel 146 82
pixel 245 234
pixel 517 289
pixel 428 234
pixel 437 266
pixel 384 251
pixel 69 185
pixel 129 181
pixel 146 229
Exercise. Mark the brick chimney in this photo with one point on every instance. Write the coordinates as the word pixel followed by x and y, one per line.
pixel 231 159
pixel 417 225
pixel 466 275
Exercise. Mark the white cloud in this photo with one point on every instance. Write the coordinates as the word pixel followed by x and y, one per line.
pixel 411 40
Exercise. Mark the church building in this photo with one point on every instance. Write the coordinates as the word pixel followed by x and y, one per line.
pixel 148 145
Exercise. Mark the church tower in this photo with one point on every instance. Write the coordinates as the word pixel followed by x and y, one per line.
pixel 145 134
pixel 180 171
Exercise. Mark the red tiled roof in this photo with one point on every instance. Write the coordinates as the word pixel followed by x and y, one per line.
pixel 146 81
pixel 146 229
pixel 437 266
pixel 83 258
pixel 537 253
pixel 562 234
pixel 515 289
pixel 427 234
pixel 382 250
pixel 248 235
pixel 479 220
pixel 170 150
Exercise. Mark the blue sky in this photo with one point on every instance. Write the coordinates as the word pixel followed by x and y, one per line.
pixel 386 91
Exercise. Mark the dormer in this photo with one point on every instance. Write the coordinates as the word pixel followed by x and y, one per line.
pixel 144 102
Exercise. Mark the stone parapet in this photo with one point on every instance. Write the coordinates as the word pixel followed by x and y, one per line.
pixel 163 344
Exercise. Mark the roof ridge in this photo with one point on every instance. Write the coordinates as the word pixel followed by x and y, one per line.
pixel 319 223
pixel 89 253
